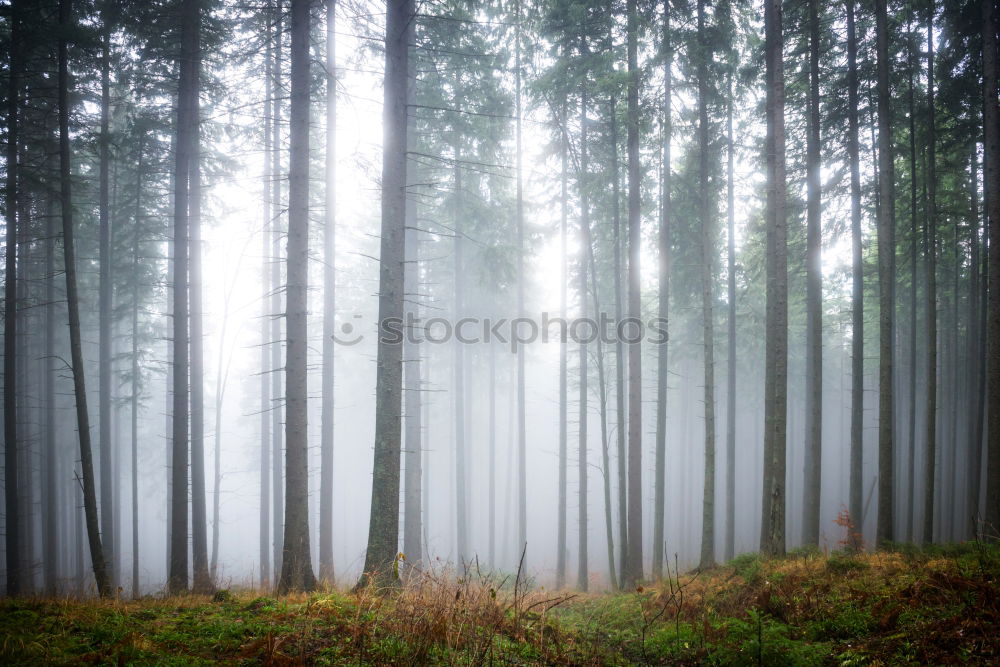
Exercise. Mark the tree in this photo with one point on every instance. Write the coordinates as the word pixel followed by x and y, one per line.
pixel 11 444
pixel 383 527
pixel 184 143
pixel 772 539
pixel 991 182
pixel 886 270
pixel 329 303
pixel 931 264
pixel 585 249
pixel 814 297
pixel 707 296
pixel 663 296
pixel 633 569
pixel 73 306
pixel 296 564
pixel 857 277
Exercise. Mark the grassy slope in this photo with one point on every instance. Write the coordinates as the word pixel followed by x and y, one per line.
pixel 933 607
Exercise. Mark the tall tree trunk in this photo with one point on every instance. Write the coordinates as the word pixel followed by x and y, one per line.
pixel 458 360
pixel 73 306
pixel 266 407
pixel 383 529
pixel 277 396
pixel 635 564
pixel 104 309
pixel 296 564
pixel 329 304
pixel 134 399
pixel 621 430
pixel 11 499
pixel 522 453
pixel 857 282
pixel 413 519
pixel 563 282
pixel 991 183
pixel 931 259
pixel 731 325
pixel 887 283
pixel 707 295
pixel 585 245
pixel 663 302
pixel 53 511
pixel 813 477
pixel 776 357
pixel 912 389
pixel 492 524
pixel 199 515
pixel 974 437
pixel 178 571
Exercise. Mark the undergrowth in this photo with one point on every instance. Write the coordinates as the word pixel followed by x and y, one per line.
pixel 900 606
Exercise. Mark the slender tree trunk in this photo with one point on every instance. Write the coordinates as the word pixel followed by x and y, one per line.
pixel 707 296
pixel 266 407
pixel 776 357
pixel 912 417
pixel 413 519
pixel 493 458
pixel 53 508
pixel 199 512
pixel 134 407
pixel 635 564
pixel 663 304
pixel 563 409
pixel 931 259
pixel 277 395
pixel 974 437
pixel 104 310
pixel 731 324
pixel 857 281
pixel 814 296
pixel 991 183
pixel 178 571
pixel 458 360
pixel 296 564
pixel 383 530
pixel 329 304
pixel 73 305
pixel 887 283
pixel 522 453
pixel 585 245
pixel 12 510
pixel 619 353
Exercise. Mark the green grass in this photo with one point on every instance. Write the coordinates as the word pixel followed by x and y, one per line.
pixel 901 606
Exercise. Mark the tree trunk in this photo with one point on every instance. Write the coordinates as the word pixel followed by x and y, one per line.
pixel 11 499
pixel 857 282
pixel 887 283
pixel 277 396
pixel 105 454
pixel 974 437
pixel 329 304
pixel 73 306
pixel 296 564
pixel 134 407
pixel 776 357
pixel 622 430
pixel 813 477
pixel 991 182
pixel 522 454
pixel 266 407
pixel 585 245
pixel 563 409
pixel 912 389
pixel 663 303
pixel 931 259
pixel 178 571
pixel 383 529
pixel 707 318
pixel 635 564
pixel 458 360
pixel 731 324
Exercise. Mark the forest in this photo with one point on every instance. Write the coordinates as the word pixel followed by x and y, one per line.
pixel 544 331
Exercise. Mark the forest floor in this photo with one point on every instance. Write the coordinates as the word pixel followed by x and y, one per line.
pixel 904 606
